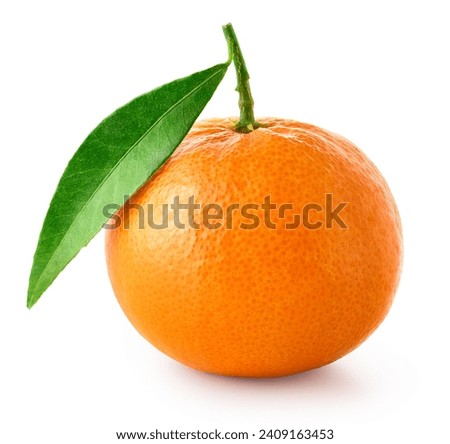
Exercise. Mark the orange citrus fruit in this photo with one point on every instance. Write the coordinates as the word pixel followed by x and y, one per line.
pixel 258 292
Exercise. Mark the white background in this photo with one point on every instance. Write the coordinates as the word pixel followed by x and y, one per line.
pixel 73 369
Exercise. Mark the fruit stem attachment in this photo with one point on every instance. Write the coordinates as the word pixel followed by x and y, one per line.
pixel 247 122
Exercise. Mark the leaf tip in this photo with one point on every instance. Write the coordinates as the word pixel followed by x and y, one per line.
pixel 31 299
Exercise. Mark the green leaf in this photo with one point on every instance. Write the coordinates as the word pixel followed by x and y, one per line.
pixel 114 161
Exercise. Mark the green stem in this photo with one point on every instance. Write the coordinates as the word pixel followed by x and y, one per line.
pixel 247 122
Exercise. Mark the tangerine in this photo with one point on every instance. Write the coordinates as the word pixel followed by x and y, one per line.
pixel 266 289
